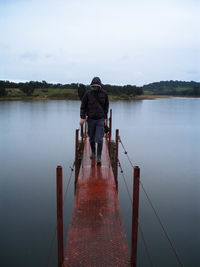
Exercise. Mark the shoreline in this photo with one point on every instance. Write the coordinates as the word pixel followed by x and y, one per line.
pixel 111 98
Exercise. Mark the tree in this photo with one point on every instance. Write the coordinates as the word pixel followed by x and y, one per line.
pixel 196 91
pixel 2 92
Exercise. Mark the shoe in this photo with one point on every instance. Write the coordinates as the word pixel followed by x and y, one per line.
pixel 98 160
pixel 92 155
pixel 99 149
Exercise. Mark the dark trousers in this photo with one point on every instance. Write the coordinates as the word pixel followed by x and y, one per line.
pixel 95 130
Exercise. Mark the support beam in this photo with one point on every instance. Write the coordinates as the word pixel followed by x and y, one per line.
pixel 135 212
pixel 116 156
pixel 59 186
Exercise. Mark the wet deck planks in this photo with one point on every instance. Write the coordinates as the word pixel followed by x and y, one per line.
pixel 96 236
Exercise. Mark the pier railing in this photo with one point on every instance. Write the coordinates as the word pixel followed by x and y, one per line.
pixel 133 200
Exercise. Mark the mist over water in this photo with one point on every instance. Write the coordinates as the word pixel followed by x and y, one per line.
pixel 161 136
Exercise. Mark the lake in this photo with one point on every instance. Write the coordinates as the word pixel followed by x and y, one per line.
pixel 161 136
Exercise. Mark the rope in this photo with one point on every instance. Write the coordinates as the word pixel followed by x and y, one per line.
pixel 140 229
pixel 55 230
pixel 125 152
pixel 163 227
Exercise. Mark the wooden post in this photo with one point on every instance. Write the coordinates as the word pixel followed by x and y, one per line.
pixel 110 126
pixel 116 156
pixel 135 211
pixel 85 132
pixel 82 134
pixel 59 215
pixel 76 155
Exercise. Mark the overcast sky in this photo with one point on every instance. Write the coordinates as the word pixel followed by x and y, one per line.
pixel 121 41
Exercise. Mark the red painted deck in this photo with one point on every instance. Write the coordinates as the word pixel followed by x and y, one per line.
pixel 96 235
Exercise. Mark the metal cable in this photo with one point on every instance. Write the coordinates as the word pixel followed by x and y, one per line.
pixel 140 229
pixel 122 172
pixel 163 227
pixel 125 152
pixel 66 191
pixel 55 230
pixel 145 245
pixel 51 245
pixel 155 212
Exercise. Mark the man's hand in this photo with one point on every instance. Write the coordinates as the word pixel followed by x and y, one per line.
pixel 105 122
pixel 82 121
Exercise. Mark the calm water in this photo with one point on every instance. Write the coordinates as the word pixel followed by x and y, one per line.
pixel 162 136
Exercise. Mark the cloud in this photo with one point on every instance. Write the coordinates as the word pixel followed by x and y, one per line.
pixel 73 40
pixel 31 56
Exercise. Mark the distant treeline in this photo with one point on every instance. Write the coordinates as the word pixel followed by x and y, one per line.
pixel 158 88
pixel 29 87
pixel 178 88
pixel 130 90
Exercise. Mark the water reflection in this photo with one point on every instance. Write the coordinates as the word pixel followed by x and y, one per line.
pixel 162 136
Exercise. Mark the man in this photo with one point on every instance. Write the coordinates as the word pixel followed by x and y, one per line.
pixel 95 105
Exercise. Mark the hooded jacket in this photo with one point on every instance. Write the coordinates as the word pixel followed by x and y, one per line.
pixel 95 104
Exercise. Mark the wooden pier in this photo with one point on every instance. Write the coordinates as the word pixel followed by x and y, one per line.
pixel 96 235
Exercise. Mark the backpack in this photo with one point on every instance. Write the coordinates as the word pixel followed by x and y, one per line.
pixel 81 90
